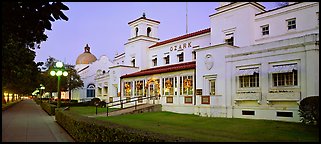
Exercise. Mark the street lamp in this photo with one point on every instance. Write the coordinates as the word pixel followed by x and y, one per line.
pixel 59 70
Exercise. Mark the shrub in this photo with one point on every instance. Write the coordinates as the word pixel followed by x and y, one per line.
pixel 85 129
pixel 94 101
pixel 102 104
pixel 49 108
pixel 309 110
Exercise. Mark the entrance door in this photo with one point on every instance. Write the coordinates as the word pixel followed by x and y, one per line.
pixel 153 90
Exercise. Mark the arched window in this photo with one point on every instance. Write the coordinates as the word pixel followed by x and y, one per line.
pixel 148 31
pixel 91 90
pixel 136 31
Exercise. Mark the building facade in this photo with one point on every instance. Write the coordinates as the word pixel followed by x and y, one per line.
pixel 249 63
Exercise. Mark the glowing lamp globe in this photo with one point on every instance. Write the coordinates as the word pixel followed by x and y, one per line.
pixel 65 73
pixel 59 73
pixel 59 64
pixel 52 73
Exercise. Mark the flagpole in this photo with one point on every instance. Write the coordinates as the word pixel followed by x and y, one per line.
pixel 186 20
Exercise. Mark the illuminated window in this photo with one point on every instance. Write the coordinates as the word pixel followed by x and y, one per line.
pixel 128 88
pixel 186 85
pixel 139 85
pixel 168 86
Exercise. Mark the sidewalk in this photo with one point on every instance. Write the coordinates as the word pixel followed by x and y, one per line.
pixel 27 122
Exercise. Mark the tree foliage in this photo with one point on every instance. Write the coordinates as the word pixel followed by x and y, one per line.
pixel 23 27
pixel 68 83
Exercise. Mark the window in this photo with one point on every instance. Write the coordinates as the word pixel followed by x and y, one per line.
pixel 291 24
pixel 139 88
pixel 105 90
pixel 248 77
pixel 229 39
pixel 284 114
pixel 169 99
pixel 168 86
pixel 284 75
pixel 245 112
pixel 133 62
pixel 166 59
pixel 188 99
pixel 194 55
pixel 186 85
pixel 91 90
pixel 212 86
pixel 136 31
pixel 154 62
pixel 148 31
pixel 265 30
pixel 180 57
pixel 285 79
pixel 128 88
pixel 205 100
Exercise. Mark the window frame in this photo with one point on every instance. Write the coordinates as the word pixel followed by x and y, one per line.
pixel 291 26
pixel 265 30
pixel 180 57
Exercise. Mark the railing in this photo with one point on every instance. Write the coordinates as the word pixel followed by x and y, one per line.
pixel 135 99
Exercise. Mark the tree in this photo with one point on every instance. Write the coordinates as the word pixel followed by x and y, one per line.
pixel 74 80
pixel 70 82
pixel 19 71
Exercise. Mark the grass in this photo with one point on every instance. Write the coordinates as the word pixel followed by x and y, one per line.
pixel 218 129
pixel 90 110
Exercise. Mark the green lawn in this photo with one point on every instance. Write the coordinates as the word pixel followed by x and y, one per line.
pixel 90 110
pixel 218 129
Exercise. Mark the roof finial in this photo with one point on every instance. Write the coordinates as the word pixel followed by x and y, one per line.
pixel 144 16
pixel 87 49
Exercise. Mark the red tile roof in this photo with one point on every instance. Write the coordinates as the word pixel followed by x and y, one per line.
pixel 145 19
pixel 182 37
pixel 163 69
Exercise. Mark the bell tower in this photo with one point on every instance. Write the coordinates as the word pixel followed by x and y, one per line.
pixel 144 27
pixel 143 34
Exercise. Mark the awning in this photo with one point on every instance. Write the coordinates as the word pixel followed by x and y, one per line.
pixel 283 68
pixel 244 72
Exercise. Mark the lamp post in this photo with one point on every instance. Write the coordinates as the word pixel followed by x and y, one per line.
pixel 59 70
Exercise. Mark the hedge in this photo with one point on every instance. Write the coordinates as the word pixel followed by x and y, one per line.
pixel 309 110
pixel 85 129
pixel 49 108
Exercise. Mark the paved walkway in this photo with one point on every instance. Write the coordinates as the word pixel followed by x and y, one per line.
pixel 27 122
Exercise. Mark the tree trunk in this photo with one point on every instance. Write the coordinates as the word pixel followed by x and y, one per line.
pixel 69 95
pixel 8 97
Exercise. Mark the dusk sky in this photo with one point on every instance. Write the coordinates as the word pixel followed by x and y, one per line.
pixel 104 26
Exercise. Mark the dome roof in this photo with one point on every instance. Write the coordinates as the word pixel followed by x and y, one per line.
pixel 86 57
